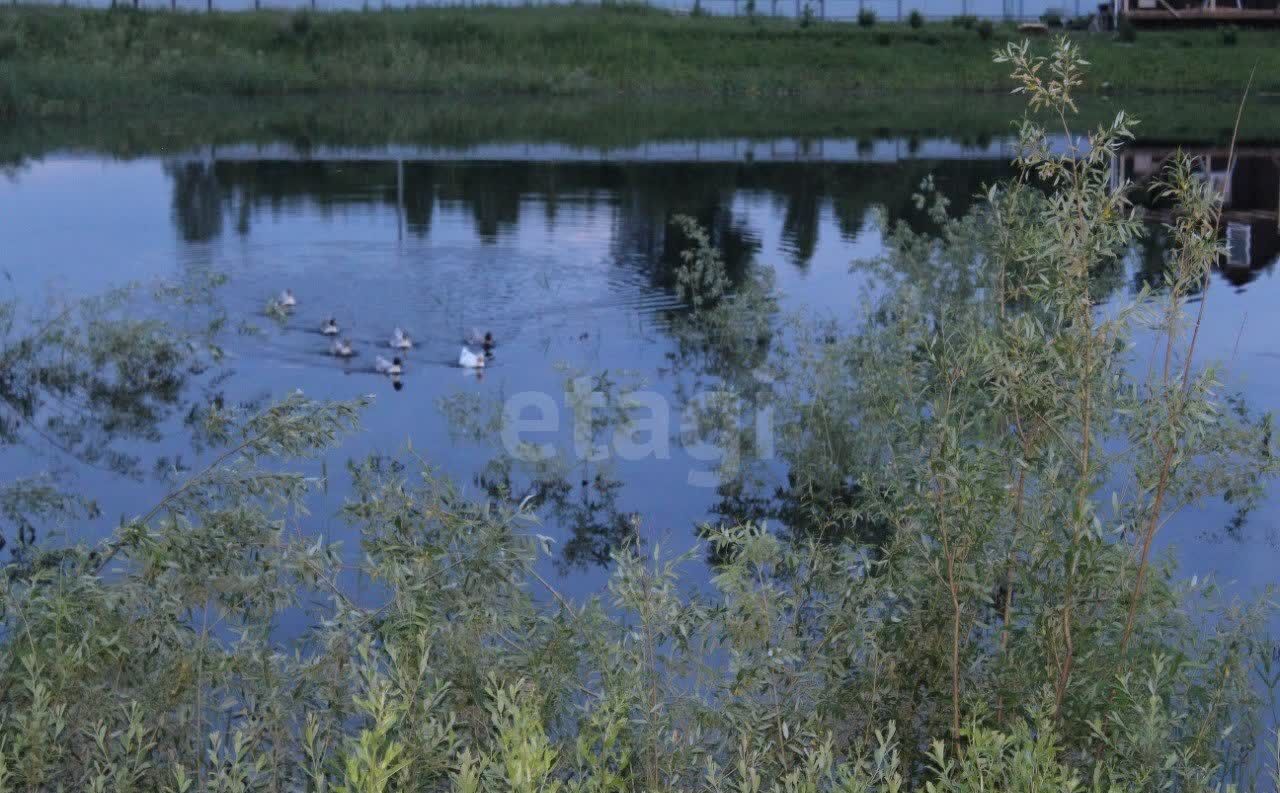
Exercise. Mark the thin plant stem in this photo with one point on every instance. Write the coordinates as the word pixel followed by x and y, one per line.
pixel 1166 462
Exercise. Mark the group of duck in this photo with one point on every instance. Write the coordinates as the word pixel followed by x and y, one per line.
pixel 341 347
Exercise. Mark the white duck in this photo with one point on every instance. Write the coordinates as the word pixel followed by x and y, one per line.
pixel 383 366
pixel 342 348
pixel 330 327
pixel 400 340
pixel 287 299
pixel 469 360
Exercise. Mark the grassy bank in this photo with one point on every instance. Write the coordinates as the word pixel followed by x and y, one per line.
pixel 68 62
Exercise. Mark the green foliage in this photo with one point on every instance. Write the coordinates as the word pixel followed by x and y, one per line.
pixel 1126 31
pixel 300 24
pixel 1052 19
pixel 701 279
pixel 86 378
pixel 969 607
pixel 1230 36
pixel 10 96
pixel 985 30
pixel 966 21
pixel 807 16
pixel 866 17
pixel 10 44
pixel 915 19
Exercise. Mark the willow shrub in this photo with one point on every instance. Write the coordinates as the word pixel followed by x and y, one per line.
pixel 1006 627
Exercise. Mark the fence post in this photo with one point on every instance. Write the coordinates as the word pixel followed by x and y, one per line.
pixel 899 10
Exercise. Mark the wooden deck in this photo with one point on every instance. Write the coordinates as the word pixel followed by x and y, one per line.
pixel 1213 15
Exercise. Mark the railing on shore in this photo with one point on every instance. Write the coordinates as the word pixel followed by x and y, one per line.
pixel 893 10
pixel 819 10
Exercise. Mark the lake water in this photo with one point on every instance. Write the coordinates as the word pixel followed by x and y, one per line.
pixel 565 254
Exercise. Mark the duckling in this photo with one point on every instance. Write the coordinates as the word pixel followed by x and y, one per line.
pixel 383 366
pixel 400 340
pixel 488 342
pixel 330 327
pixel 342 348
pixel 287 300
pixel 469 360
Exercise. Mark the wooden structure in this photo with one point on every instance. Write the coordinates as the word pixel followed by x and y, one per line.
pixel 1199 11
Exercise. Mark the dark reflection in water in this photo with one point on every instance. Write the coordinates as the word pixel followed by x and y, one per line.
pixel 206 194
pixel 564 260
pixel 1251 200
pixel 646 195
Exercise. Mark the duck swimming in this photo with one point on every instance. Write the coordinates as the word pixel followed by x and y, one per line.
pixel 287 299
pixel 400 340
pixel 342 348
pixel 470 360
pixel 477 339
pixel 383 366
pixel 330 327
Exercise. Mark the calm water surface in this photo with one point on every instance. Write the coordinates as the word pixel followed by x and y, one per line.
pixel 566 256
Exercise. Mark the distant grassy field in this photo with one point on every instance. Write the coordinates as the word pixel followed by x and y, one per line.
pixel 62 62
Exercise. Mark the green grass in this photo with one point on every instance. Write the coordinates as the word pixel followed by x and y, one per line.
pixel 69 62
